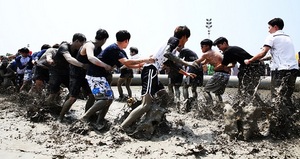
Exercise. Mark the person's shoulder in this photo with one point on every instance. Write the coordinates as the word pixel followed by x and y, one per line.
pixel 233 48
pixel 123 54
pixel 270 36
pixel 18 57
pixel 12 62
pixel 51 50
pixel 40 52
pixel 111 47
pixel 64 46
pixel 89 44
pixel 36 53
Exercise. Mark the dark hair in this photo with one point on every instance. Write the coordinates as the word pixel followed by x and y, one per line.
pixel 220 40
pixel 122 35
pixel 24 50
pixel 63 42
pixel 277 21
pixel 134 49
pixel 55 46
pixel 206 42
pixel 45 46
pixel 181 31
pixel 101 34
pixel 79 36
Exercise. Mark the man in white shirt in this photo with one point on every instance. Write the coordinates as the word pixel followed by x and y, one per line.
pixel 284 67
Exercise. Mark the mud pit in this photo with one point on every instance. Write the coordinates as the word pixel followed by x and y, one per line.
pixel 195 134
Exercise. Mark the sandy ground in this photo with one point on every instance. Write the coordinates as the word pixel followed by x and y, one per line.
pixel 190 136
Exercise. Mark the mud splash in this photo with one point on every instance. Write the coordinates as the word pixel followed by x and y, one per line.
pixel 196 132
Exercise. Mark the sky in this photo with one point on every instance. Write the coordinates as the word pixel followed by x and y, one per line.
pixel 243 22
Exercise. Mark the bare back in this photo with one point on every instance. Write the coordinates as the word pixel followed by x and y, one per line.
pixel 214 58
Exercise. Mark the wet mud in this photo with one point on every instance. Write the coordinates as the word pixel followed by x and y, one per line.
pixel 188 129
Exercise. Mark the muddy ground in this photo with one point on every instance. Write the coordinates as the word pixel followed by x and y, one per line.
pixel 193 134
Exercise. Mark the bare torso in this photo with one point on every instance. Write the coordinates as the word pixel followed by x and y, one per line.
pixel 214 58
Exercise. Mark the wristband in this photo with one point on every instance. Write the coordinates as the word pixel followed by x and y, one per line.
pixel 183 72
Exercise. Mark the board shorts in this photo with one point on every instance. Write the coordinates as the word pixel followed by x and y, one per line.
pixel 100 87
pixel 217 83
pixel 27 75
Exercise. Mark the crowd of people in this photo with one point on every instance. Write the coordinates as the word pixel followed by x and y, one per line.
pixel 84 67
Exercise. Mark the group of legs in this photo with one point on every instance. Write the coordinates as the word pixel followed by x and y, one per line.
pixel 125 78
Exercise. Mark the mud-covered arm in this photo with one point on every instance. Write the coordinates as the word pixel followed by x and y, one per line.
pixel 173 66
pixel 176 59
pixel 172 44
pixel 72 60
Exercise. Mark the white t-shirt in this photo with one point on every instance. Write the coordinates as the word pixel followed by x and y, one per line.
pixel 160 58
pixel 282 51
pixel 136 56
pixel 24 61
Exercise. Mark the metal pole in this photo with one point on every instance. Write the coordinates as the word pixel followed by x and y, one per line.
pixel 208 26
pixel 233 81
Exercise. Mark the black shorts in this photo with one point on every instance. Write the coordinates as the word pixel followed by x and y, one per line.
pixel 175 78
pixel 56 80
pixel 126 73
pixel 197 81
pixel 150 82
pixel 78 84
pixel 41 73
